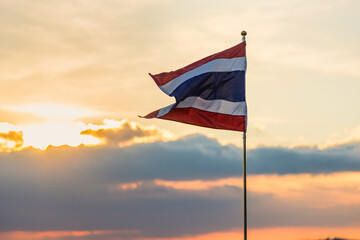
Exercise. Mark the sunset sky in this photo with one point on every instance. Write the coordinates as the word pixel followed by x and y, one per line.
pixel 76 161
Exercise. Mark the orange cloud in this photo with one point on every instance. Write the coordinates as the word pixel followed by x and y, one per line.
pixel 126 186
pixel 290 233
pixel 11 140
pixel 196 185
pixel 284 233
pixel 320 191
pixel 124 133
pixel 25 235
pixel 61 235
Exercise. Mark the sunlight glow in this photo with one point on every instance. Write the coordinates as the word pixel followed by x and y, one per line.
pixel 6 127
pixel 114 133
pixel 57 134
pixel 54 111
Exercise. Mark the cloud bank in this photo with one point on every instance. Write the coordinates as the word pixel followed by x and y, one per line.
pixel 107 188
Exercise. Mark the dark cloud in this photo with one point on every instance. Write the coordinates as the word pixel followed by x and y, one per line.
pixel 197 157
pixel 305 160
pixel 66 188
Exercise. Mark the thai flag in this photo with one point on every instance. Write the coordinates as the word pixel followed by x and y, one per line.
pixel 209 92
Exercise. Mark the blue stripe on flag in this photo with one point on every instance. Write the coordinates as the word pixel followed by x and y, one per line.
pixel 212 86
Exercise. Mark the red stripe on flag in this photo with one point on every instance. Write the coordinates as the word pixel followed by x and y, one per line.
pixel 165 77
pixel 206 119
pixel 151 115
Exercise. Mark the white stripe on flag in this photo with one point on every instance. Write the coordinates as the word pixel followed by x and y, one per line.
pixel 164 110
pixel 217 65
pixel 216 106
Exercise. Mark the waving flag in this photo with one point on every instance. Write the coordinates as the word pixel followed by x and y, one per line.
pixel 209 92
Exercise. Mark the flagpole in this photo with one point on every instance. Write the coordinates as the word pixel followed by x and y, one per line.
pixel 244 186
pixel 243 34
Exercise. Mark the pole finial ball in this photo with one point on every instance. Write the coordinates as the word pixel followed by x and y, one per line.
pixel 243 33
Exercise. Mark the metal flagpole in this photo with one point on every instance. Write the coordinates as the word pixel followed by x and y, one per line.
pixel 243 34
pixel 244 186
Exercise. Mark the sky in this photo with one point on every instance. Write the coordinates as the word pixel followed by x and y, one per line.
pixel 78 163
